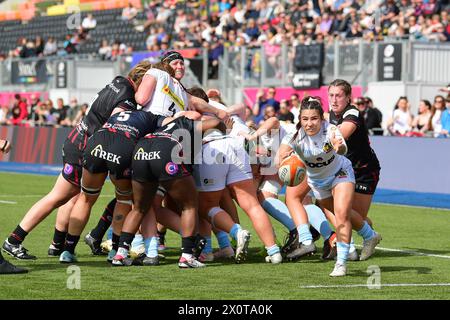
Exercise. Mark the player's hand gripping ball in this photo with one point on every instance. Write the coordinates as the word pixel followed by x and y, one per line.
pixel 292 170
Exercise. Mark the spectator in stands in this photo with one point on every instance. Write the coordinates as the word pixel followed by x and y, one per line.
pixel 436 113
pixel 370 116
pixel 129 13
pixel 389 15
pixel 295 107
pixel 284 114
pixel 32 106
pixel 59 113
pixel 262 102
pixel 445 120
pixel 72 112
pixel 421 122
pixel 40 114
pixel 374 119
pixel 400 123
pixel 81 113
pixel 39 46
pixel 69 46
pixel 354 32
pixel 272 50
pixel 89 22
pixel 51 47
pixel 18 111
pixel 28 50
pixel 214 53
pixel 105 50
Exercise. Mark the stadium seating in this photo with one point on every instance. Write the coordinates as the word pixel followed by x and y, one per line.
pixel 108 27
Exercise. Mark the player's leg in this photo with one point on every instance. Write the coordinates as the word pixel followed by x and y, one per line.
pixel 94 238
pixel 61 225
pixel 62 192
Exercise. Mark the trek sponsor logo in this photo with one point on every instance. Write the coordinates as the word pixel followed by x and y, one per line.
pixel 320 164
pixel 178 101
pixel 141 155
pixel 98 152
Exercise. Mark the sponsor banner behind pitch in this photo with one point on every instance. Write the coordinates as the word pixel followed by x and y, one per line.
pixel 34 145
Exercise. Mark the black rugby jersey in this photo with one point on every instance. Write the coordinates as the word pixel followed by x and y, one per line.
pixel 119 93
pixel 134 124
pixel 359 151
pixel 179 130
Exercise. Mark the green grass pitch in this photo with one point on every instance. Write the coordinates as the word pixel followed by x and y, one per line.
pixel 402 275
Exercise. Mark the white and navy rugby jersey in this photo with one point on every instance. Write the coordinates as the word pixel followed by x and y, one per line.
pixel 317 152
pixel 169 96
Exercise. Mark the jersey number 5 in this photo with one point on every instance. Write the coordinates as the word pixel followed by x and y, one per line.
pixel 124 116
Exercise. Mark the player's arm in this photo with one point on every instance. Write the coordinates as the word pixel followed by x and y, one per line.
pixel 347 128
pixel 203 107
pixel 269 124
pixel 146 89
pixel 207 124
pixel 5 146
pixel 237 109
pixel 283 152
pixel 337 140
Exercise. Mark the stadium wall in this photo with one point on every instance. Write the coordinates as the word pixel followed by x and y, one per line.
pixel 413 164
pixel 40 145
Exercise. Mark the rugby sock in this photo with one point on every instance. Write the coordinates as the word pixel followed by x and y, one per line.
pixel 105 221
pixel 187 246
pixel 71 243
pixel 125 241
pixel 138 241
pixel 1 258
pixel 278 210
pixel 223 239
pixel 17 236
pixel 366 231
pixel 208 248
pixel 342 252
pixel 234 230
pixel 352 246
pixel 272 250
pixel 151 246
pixel 115 241
pixel 304 234
pixel 318 221
pixel 58 238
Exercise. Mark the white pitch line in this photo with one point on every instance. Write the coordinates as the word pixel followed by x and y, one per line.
pixel 8 202
pixel 345 286
pixel 412 252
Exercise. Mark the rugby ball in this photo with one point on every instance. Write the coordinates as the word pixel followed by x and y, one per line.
pixel 292 171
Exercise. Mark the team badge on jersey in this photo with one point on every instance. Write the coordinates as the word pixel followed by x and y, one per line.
pixel 171 168
pixel 327 147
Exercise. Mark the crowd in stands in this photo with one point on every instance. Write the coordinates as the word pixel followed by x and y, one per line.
pixel 74 40
pixel 42 112
pixel 255 23
pixel 432 119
